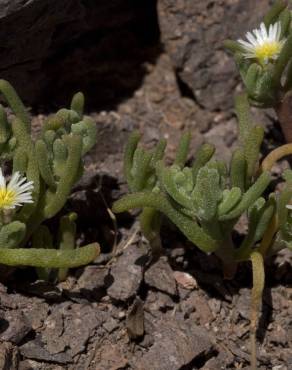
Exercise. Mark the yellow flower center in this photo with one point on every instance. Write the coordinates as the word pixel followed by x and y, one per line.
pixel 7 198
pixel 268 50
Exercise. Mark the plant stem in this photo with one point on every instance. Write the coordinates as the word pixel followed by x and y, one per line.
pixel 150 221
pixel 276 154
pixel 258 274
pixel 49 258
pixel 159 202
pixel 268 236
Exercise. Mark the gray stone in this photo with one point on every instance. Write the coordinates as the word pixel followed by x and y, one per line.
pixel 176 344
pixel 92 282
pixel 111 325
pixel 243 303
pixel 193 33
pixel 15 326
pixel 34 349
pixel 69 329
pixel 160 276
pixel 126 273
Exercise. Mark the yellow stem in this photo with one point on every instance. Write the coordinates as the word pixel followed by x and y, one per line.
pixel 258 275
pixel 268 236
pixel 275 155
pixel 267 165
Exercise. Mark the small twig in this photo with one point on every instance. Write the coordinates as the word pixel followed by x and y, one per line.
pixel 111 215
pixel 119 250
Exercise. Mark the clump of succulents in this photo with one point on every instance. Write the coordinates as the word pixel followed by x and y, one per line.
pixel 206 199
pixel 42 176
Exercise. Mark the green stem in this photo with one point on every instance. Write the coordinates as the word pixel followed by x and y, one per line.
pixel 67 239
pixel 182 150
pixel 14 102
pixel 56 200
pixel 150 221
pixel 253 193
pixel 25 144
pixel 129 156
pixel 203 156
pixel 274 12
pixel 188 226
pixel 49 258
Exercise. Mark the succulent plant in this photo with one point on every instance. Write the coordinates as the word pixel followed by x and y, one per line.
pixel 264 62
pixel 206 200
pixel 52 165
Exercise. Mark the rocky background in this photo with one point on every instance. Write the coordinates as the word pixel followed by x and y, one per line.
pixel 50 48
pixel 158 66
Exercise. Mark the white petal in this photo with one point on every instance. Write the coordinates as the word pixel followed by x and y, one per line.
pixel 2 180
pixel 289 206
pixel 258 36
pixel 14 179
pixel 23 188
pixel 279 31
pixel 246 45
pixel 251 38
pixel 264 31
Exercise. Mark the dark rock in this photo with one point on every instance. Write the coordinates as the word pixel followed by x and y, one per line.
pixel 158 301
pixel 8 357
pixel 34 349
pixel 160 276
pixel 111 325
pixel 92 282
pixel 193 33
pixel 126 273
pixel 219 362
pixel 176 343
pixel 56 47
pixel 70 328
pixel 36 312
pixel 14 326
pixel 51 336
pixel 36 365
pixel 43 289
pixel 216 282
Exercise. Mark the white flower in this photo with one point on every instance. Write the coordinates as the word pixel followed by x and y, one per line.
pixel 289 206
pixel 16 192
pixel 264 44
